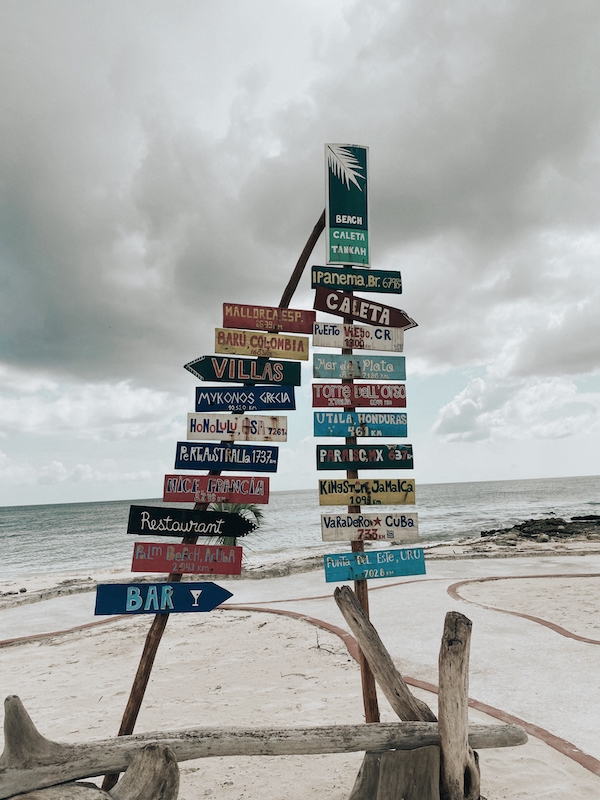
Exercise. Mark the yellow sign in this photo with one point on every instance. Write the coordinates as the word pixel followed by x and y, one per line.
pixel 375 492
pixel 261 344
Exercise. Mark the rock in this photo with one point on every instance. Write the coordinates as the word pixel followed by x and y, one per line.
pixel 543 537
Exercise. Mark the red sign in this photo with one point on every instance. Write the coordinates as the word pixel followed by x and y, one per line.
pixel 216 489
pixel 350 395
pixel 267 318
pixel 343 304
pixel 194 559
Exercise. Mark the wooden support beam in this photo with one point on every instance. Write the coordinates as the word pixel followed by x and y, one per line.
pixel 293 282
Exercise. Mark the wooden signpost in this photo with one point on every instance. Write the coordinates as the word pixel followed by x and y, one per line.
pixel 348 279
pixel 344 304
pixel 377 368
pixel 267 318
pixel 349 395
pixel 347 204
pixel 158 598
pixel 360 337
pixel 235 428
pixel 240 399
pixel 374 564
pixel 266 345
pixel 161 521
pixel 259 458
pixel 216 489
pixel 195 559
pixel 229 369
pixel 359 423
pixel 372 456
pixel 401 528
pixel 366 492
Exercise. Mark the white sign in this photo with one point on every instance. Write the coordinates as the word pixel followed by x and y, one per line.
pixel 401 528
pixel 237 428
pixel 360 337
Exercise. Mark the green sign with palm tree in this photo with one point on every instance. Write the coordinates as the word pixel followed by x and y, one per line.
pixel 347 207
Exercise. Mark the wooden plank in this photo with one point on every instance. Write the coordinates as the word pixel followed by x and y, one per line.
pixel 374 564
pixel 245 457
pixel 366 492
pixel 409 776
pixel 229 369
pixel 158 598
pixel 216 489
pixel 401 528
pixel 359 337
pixel 358 309
pixel 265 345
pixel 360 423
pixel 161 521
pixel 359 395
pixel 348 279
pixel 267 318
pixel 372 456
pixel 347 205
pixel 367 368
pixel 188 559
pixel 238 400
pixel 236 428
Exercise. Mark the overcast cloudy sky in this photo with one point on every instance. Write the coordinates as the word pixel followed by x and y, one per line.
pixel 158 158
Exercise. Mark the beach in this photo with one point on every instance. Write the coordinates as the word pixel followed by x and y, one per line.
pixel 239 665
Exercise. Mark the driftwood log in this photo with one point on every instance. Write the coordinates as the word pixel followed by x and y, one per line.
pixel 31 761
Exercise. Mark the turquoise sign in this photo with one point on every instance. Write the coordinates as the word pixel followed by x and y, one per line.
pixel 347 206
pixel 374 564
pixel 373 368
pixel 359 423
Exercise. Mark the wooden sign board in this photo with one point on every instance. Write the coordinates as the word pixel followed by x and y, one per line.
pixel 374 564
pixel 216 489
pixel 349 395
pixel 221 457
pixel 352 279
pixel 245 398
pixel 263 345
pixel 229 369
pixel 401 528
pixel 368 368
pixel 356 456
pixel 188 559
pixel 367 492
pixel 158 598
pixel 346 204
pixel 267 318
pixel 161 521
pixel 236 428
pixel 342 304
pixel 359 423
pixel 359 337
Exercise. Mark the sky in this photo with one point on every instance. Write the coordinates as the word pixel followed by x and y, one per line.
pixel 161 158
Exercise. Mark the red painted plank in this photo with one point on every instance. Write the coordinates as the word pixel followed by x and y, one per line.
pixel 216 489
pixel 268 318
pixel 350 395
pixel 191 559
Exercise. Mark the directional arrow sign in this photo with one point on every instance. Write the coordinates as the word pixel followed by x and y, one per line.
pixel 343 304
pixel 362 423
pixel 349 395
pixel 194 559
pixel 235 428
pixel 373 492
pixel 267 345
pixel 245 457
pixel 267 318
pixel 355 456
pixel 350 279
pixel 158 598
pixel 360 337
pixel 229 369
pixel 371 368
pixel 216 489
pixel 401 528
pixel 160 521
pixel 374 564
pixel 246 398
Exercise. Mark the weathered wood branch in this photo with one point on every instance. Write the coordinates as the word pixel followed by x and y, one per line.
pixel 459 768
pixel 391 682
pixel 49 762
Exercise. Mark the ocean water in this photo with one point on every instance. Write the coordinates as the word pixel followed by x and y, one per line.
pixel 90 536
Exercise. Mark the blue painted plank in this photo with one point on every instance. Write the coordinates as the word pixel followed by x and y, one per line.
pixel 359 423
pixel 238 399
pixel 229 456
pixel 374 564
pixel 376 368
pixel 158 598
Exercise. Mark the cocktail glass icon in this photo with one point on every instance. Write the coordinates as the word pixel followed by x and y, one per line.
pixel 195 594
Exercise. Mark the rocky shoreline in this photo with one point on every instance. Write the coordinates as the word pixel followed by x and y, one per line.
pixel 549 529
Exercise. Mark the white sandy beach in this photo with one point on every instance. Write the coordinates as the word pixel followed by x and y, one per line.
pixel 242 667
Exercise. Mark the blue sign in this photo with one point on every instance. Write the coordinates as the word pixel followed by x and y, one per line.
pixel 360 423
pixel 374 564
pixel 158 598
pixel 226 456
pixel 372 368
pixel 245 398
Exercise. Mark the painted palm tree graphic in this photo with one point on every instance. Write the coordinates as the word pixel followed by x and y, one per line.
pixel 344 165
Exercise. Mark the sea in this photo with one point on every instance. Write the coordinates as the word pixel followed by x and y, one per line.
pixel 76 537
